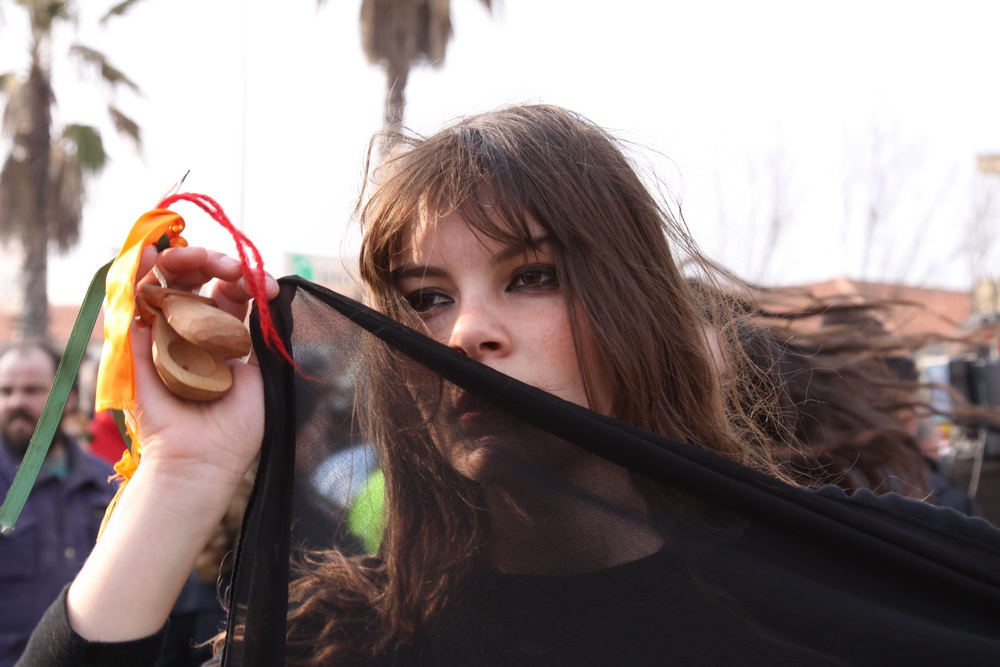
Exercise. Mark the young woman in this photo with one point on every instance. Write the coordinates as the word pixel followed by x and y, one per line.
pixel 542 505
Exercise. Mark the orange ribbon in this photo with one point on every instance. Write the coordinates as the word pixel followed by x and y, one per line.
pixel 116 374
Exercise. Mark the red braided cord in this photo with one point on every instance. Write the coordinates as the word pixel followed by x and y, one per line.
pixel 254 272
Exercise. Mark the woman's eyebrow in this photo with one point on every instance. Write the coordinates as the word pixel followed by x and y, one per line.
pixel 412 271
pixel 512 251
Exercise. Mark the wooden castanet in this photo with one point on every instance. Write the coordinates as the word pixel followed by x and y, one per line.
pixel 149 300
pixel 192 339
pixel 187 370
pixel 206 326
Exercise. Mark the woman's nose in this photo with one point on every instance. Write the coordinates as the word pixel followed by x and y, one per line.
pixel 479 332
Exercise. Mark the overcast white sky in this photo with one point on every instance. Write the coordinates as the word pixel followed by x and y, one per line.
pixel 270 105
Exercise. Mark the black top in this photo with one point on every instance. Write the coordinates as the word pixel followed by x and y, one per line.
pixel 687 604
pixel 54 644
pixel 753 571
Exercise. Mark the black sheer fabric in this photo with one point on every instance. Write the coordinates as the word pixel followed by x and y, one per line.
pixel 743 569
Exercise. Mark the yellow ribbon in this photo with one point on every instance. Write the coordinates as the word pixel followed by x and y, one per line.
pixel 116 373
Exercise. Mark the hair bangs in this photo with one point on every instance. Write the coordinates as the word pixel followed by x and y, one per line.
pixel 439 177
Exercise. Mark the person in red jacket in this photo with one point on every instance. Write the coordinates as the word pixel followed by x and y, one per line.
pixel 105 439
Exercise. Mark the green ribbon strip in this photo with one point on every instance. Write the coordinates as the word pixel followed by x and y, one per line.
pixel 119 417
pixel 48 422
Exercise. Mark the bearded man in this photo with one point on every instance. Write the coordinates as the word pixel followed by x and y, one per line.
pixel 59 523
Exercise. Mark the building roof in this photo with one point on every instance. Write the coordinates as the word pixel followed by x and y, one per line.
pixel 915 310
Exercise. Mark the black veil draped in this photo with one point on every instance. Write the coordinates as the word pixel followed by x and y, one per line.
pixel 752 570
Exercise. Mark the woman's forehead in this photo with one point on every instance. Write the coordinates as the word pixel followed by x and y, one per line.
pixel 430 229
pixel 483 213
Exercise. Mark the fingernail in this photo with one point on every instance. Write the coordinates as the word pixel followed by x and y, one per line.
pixel 229 263
pixel 271 283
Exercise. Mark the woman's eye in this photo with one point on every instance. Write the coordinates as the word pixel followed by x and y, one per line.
pixel 423 300
pixel 535 277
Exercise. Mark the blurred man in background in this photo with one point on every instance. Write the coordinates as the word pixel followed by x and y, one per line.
pixel 59 523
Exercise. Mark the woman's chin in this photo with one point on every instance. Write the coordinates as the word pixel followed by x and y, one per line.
pixel 483 461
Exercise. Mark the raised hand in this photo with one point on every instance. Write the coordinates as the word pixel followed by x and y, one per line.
pixel 221 436
pixel 194 454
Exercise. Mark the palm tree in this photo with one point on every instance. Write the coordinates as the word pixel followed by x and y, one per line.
pixel 42 184
pixel 398 34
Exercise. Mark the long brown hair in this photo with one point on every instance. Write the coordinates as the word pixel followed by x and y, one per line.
pixel 501 169
pixel 846 403
pixel 624 288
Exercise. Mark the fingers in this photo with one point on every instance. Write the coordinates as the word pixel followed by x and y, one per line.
pixel 181 268
pixel 238 292
pixel 146 260
pixel 190 268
